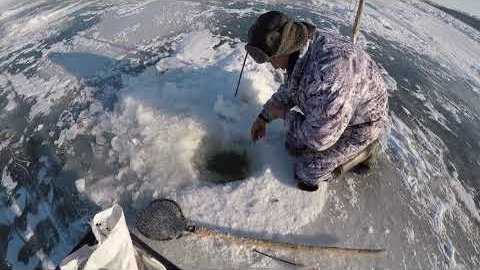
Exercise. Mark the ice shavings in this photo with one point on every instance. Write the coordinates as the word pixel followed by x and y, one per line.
pixel 18 202
pixel 225 108
pixel 197 49
pixel 12 105
pixel 259 206
pixel 80 184
pixel 155 146
pixel 161 123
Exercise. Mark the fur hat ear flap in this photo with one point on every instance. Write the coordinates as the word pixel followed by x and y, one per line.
pixel 294 36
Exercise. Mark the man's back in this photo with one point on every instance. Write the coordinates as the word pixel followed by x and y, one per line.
pixel 334 73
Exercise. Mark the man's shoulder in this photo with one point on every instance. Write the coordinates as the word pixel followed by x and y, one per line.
pixel 329 42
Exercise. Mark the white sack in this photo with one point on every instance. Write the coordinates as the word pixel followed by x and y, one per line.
pixel 114 250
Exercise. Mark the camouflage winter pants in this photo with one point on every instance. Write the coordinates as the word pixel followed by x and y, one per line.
pixel 312 167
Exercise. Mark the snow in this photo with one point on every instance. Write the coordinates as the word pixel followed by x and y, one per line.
pixel 426 31
pixel 7 180
pixel 197 49
pixel 49 89
pixel 353 193
pixel 15 209
pixel 170 118
pixel 80 184
pixel 38 24
pixel 438 215
pixel 259 206
pixel 410 234
pixel 20 238
pixel 466 6
pixel 145 134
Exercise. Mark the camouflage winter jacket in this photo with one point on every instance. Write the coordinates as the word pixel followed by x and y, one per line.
pixel 336 85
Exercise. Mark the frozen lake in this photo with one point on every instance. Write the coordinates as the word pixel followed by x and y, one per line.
pixel 106 102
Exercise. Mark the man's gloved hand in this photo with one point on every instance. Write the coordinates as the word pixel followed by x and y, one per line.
pixel 271 111
pixel 275 110
pixel 259 129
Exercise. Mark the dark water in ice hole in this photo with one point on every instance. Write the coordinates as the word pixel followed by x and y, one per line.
pixel 228 165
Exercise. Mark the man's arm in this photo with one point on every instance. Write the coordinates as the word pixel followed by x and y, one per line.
pixel 278 105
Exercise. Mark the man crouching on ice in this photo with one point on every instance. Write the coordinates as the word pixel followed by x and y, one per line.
pixel 337 87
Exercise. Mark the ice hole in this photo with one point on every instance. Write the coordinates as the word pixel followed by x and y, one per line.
pixel 228 164
pixel 219 162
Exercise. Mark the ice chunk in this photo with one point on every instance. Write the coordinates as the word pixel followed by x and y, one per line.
pixel 7 180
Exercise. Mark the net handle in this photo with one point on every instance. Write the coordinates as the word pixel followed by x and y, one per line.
pixel 264 243
pixel 144 247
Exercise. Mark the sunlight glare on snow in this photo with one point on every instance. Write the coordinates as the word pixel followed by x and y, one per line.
pixel 162 120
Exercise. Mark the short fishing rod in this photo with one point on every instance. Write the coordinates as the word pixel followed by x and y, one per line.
pixel 241 73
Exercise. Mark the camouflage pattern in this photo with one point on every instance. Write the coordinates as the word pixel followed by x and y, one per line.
pixel 342 98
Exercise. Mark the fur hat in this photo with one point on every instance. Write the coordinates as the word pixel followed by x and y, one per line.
pixel 276 34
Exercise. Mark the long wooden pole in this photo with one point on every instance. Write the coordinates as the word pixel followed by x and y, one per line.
pixel 358 17
pixel 263 243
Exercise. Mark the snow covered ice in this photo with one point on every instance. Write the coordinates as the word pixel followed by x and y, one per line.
pixel 105 102
pixel 172 116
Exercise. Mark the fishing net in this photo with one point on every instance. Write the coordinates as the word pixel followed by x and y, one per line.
pixel 162 219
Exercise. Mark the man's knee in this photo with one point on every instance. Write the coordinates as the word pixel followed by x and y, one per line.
pixel 293 149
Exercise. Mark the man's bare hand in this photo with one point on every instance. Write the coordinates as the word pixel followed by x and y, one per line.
pixel 259 129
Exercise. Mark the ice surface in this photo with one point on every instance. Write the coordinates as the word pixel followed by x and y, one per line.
pixel 469 7
pixel 170 118
pixel 96 120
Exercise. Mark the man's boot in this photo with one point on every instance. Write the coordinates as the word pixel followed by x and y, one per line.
pixel 307 187
pixel 361 162
pixel 364 159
